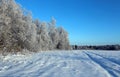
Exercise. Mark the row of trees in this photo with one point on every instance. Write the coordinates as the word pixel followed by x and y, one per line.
pixel 19 31
pixel 101 47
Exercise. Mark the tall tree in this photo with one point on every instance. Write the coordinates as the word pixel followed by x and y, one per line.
pixel 63 42
pixel 18 31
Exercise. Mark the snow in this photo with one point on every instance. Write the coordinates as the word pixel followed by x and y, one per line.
pixel 84 63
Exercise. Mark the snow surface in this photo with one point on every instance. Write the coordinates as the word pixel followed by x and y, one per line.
pixel 83 63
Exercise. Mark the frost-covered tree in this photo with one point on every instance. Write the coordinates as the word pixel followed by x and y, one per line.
pixel 63 42
pixel 44 36
pixel 38 36
pixel 19 31
pixel 10 15
pixel 43 39
pixel 29 33
pixel 53 33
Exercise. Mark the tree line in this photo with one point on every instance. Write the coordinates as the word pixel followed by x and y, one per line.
pixel 18 30
pixel 100 47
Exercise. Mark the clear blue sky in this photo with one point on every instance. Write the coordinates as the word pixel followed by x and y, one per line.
pixel 88 22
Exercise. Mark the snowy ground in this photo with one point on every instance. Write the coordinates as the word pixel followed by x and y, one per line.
pixel 62 64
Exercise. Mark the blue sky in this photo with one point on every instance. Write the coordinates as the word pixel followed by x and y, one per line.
pixel 88 22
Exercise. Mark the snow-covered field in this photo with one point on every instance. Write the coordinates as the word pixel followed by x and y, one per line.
pixel 82 63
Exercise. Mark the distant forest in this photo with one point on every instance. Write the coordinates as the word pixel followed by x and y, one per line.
pixel 100 47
